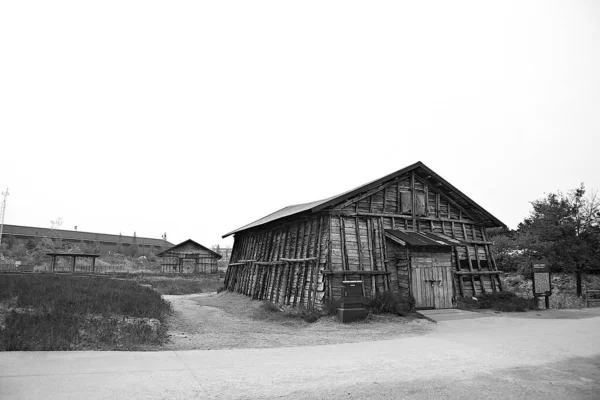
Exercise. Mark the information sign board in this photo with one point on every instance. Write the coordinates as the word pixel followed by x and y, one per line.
pixel 541 278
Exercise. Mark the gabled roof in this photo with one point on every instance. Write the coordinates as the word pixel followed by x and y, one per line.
pixel 32 231
pixel 424 172
pixel 184 243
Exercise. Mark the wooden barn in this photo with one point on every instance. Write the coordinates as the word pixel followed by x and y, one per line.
pixel 410 232
pixel 189 257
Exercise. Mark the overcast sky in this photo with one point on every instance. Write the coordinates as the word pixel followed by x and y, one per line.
pixel 194 118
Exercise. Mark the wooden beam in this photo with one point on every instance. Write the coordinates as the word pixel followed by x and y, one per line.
pixel 269 263
pixel 478 272
pixel 292 260
pixel 341 273
pixel 393 215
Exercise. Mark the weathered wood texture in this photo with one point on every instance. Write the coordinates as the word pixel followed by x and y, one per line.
pixel 282 264
pixel 189 258
pixel 347 241
pixel 431 282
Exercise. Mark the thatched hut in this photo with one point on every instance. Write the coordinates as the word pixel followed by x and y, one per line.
pixel 410 232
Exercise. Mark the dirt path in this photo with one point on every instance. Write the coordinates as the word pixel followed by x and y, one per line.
pixel 230 321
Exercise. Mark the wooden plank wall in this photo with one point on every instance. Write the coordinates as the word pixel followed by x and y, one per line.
pixel 281 263
pixel 382 208
pixel 358 246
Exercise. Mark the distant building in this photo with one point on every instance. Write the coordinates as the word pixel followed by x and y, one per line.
pixel 189 257
pixel 108 243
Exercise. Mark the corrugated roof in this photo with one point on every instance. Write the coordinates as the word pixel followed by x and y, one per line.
pixel 284 212
pixel 32 231
pixel 412 238
pixel 334 200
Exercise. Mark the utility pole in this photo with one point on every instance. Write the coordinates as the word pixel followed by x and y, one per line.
pixel 2 209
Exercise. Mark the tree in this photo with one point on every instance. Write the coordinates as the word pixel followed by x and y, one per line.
pixel 134 246
pixel 96 247
pixel 55 226
pixel 566 229
pixel 120 244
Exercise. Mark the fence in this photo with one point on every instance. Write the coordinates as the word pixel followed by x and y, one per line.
pixel 120 269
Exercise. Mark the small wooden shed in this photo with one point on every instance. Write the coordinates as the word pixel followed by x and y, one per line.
pixel 410 233
pixel 189 257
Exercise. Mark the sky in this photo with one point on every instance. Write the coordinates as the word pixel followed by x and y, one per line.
pixel 195 118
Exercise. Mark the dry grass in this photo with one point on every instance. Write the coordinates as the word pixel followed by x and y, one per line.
pixel 178 285
pixel 53 312
pixel 230 320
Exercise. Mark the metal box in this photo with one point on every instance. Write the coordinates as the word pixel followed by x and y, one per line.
pixel 352 294
pixel 352 302
pixel 351 314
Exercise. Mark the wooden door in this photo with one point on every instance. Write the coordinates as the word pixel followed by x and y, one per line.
pixel 432 286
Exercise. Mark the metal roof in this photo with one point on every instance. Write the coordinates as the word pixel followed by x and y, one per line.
pixel 284 212
pixel 412 238
pixel 32 231
pixel 425 173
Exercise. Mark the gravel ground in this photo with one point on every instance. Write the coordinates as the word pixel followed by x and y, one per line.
pixel 230 321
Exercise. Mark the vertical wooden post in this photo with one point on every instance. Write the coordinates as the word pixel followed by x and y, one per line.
pixel 372 258
pixel 74 259
pixel 315 275
pixel 290 282
pixel 298 286
pixel 93 264
pixel 459 277
pixel 477 256
pixel 471 270
pixel 412 197
pixel 398 191
pixel 386 278
pixel 345 265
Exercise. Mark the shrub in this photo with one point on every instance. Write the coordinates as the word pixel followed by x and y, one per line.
pixel 330 306
pixel 221 289
pixel 500 301
pixel 301 312
pixel 270 306
pixel 389 303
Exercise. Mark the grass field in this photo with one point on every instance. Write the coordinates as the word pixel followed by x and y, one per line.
pixel 50 312
pixel 183 284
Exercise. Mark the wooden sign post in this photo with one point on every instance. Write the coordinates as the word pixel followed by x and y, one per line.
pixel 542 285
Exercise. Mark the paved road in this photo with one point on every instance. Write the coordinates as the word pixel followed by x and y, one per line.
pixel 491 357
